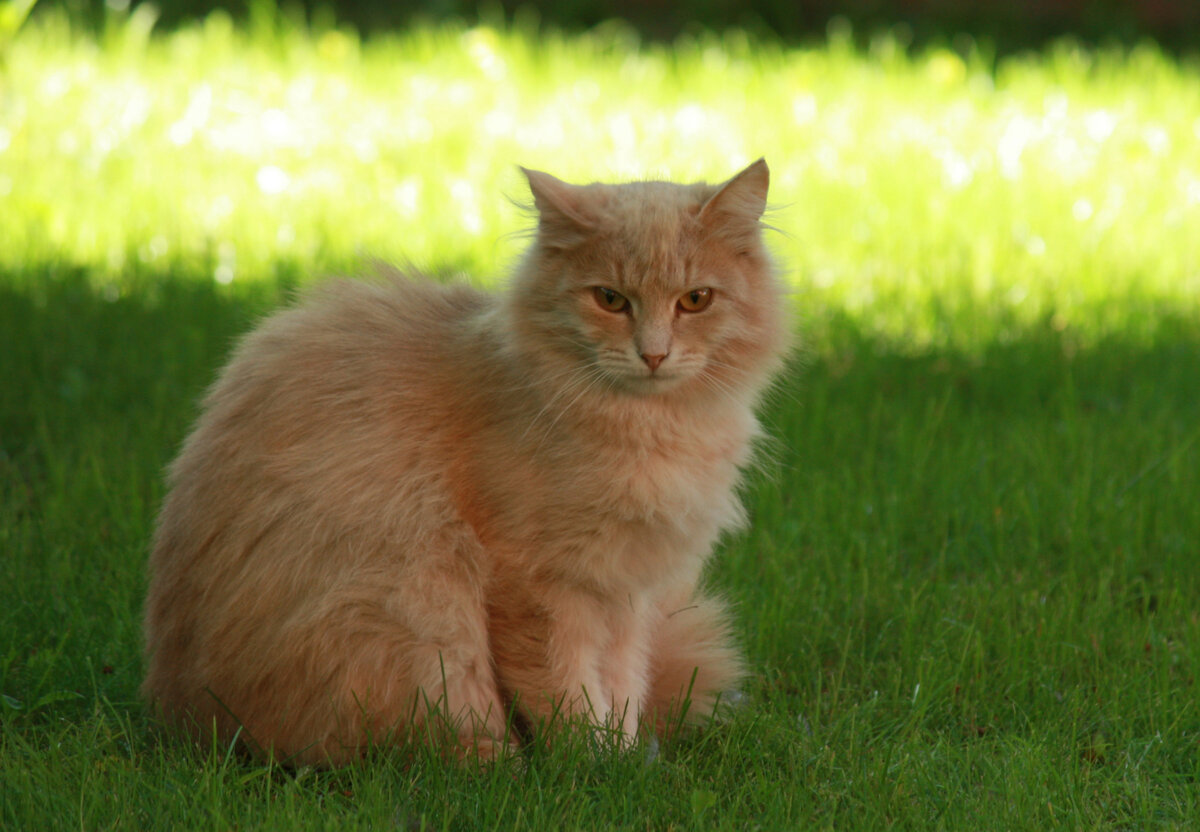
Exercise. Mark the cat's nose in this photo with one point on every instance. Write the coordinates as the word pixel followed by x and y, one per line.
pixel 653 360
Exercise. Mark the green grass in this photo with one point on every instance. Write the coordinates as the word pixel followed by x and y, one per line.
pixel 970 590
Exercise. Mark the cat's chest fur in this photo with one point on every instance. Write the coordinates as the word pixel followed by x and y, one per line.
pixel 617 500
pixel 674 475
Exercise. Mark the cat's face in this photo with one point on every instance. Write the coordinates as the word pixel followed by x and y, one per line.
pixel 649 287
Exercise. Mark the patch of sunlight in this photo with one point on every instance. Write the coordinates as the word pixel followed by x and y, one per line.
pixel 1042 182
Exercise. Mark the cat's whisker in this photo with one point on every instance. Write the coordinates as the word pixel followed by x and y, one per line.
pixel 584 376
pixel 598 374
pixel 707 372
pixel 539 382
pixel 773 440
pixel 768 445
pixel 714 384
pixel 769 392
pixel 586 348
pixel 576 376
pixel 716 362
pixel 733 369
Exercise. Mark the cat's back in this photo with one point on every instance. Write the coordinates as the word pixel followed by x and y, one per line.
pixel 347 336
pixel 322 405
pixel 350 348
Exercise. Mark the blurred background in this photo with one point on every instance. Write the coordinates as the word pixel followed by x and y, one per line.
pixel 1009 161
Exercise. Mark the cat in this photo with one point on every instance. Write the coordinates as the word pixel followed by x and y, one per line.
pixel 405 501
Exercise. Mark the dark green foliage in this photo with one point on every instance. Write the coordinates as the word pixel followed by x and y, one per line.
pixel 1007 24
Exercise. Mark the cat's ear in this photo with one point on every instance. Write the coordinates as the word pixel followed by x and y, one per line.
pixel 563 220
pixel 738 204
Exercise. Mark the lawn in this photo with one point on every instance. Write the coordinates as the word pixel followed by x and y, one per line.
pixel 970 590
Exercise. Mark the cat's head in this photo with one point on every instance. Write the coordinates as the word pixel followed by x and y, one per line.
pixel 652 287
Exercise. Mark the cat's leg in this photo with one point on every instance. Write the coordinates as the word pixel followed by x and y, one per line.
pixel 549 641
pixel 379 662
pixel 406 644
pixel 443 604
pixel 625 666
pixel 571 656
pixel 692 662
pixel 393 644
pixel 575 642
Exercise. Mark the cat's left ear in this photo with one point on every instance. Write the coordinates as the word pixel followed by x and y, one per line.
pixel 739 203
pixel 563 221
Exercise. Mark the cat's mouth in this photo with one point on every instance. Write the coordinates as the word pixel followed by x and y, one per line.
pixel 657 381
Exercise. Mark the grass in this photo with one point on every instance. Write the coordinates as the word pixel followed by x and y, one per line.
pixel 970 589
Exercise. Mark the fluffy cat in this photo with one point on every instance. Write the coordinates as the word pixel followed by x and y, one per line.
pixel 405 499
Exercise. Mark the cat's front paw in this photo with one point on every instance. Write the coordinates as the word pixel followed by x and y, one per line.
pixel 624 720
pixel 482 747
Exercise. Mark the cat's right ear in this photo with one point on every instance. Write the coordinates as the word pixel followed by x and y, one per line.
pixel 740 200
pixel 563 222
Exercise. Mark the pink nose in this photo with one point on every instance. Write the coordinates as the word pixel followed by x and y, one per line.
pixel 652 361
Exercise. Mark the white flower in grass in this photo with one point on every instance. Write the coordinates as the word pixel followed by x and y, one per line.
pixel 1158 140
pixel 1018 134
pixel 956 170
pixel 272 180
pixel 1099 125
pixel 691 120
pixel 276 125
pixel 226 263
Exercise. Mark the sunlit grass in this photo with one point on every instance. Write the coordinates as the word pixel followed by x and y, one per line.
pixel 932 197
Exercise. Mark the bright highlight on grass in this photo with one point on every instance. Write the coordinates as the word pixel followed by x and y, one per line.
pixel 913 190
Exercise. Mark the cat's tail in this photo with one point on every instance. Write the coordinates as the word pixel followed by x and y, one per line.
pixel 693 665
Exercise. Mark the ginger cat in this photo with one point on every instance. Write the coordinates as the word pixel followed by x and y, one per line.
pixel 405 500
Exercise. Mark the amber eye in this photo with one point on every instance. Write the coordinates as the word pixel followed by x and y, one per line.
pixel 695 300
pixel 610 300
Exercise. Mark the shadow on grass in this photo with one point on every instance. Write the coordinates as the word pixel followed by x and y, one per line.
pixel 76 352
pixel 1033 368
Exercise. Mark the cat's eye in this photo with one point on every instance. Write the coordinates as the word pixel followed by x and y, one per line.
pixel 695 300
pixel 610 300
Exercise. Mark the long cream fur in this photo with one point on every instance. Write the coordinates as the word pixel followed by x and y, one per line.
pixel 404 499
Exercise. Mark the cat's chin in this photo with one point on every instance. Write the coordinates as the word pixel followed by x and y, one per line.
pixel 655 384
